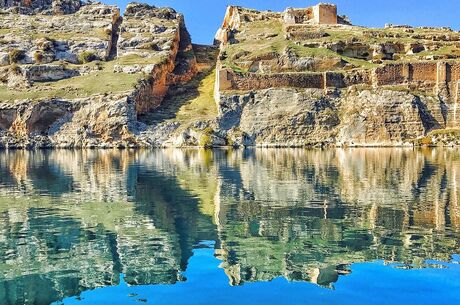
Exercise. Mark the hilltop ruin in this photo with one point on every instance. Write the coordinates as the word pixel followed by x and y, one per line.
pixel 283 55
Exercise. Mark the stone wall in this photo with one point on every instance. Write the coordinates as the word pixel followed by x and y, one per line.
pixel 390 74
pixel 437 76
pixel 235 16
pixel 229 80
pixel 423 72
pixel 429 73
pixel 297 15
pixel 343 80
pixel 453 71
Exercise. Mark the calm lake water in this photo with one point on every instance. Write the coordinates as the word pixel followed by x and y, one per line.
pixel 356 226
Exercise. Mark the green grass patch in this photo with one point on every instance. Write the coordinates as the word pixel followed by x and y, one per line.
pixel 194 103
pixel 134 59
pixel 450 50
pixel 98 82
pixel 201 107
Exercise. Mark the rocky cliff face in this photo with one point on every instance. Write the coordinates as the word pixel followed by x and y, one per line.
pixel 81 80
pixel 295 117
pixel 77 74
pixel 281 83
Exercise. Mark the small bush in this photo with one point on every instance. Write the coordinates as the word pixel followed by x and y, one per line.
pixel 206 141
pixel 50 39
pixel 38 56
pixel 87 56
pixel 16 55
pixel 189 54
pixel 99 65
pixel 206 138
pixel 150 46
pixel 426 141
pixel 46 44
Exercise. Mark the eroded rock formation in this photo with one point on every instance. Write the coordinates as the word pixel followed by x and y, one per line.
pixel 89 73
pixel 302 78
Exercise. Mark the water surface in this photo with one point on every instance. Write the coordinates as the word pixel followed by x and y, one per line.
pixel 345 226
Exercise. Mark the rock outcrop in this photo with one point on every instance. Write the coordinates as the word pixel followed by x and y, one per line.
pixel 87 74
pixel 294 79
pixel 309 117
pixel 47 6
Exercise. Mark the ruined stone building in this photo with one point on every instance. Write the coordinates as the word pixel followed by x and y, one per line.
pixel 322 13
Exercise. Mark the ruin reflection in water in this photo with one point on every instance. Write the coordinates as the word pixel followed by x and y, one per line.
pixel 269 226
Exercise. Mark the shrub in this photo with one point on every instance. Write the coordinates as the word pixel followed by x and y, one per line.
pixel 206 138
pixel 86 56
pixel 205 141
pixel 189 54
pixel 99 65
pixel 38 56
pixel 52 40
pixel 426 141
pixel 15 55
pixel 150 79
pixel 150 46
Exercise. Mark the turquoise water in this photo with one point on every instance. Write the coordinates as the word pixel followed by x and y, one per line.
pixel 357 226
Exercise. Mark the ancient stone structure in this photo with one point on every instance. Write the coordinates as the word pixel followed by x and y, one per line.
pixel 322 13
pixel 95 78
pixel 236 17
pixel 438 77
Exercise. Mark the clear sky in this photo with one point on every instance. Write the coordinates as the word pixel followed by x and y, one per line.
pixel 203 17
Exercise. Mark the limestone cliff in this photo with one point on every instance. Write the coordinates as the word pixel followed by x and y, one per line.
pixel 80 79
pixel 305 78
pixel 77 74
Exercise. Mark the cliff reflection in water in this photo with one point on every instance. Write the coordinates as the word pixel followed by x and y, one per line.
pixel 75 220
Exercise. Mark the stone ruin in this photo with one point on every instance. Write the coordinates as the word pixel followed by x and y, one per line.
pixel 322 13
pixel 236 16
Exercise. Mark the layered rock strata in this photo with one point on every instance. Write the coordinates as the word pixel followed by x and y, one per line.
pixel 85 76
pixel 81 79
pixel 288 79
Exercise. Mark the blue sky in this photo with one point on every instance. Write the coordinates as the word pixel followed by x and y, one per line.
pixel 203 17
